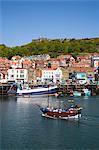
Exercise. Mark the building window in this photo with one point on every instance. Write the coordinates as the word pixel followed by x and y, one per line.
pixel 21 76
pixel 21 71
pixel 12 70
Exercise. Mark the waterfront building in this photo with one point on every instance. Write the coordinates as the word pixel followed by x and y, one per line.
pixel 18 75
pixel 95 61
pixel 81 77
pixel 51 75
pixel 32 78
pixel 4 66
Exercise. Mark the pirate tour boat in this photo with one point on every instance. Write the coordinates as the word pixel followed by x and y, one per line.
pixel 73 112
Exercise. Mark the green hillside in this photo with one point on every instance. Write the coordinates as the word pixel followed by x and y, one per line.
pixel 53 47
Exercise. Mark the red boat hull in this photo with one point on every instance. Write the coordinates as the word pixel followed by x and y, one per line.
pixel 62 115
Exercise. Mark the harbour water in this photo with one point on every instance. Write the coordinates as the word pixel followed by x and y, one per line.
pixel 22 126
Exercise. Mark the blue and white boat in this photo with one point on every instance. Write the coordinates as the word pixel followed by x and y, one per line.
pixel 39 91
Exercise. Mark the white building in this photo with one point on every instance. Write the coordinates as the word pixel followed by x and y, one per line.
pixel 95 61
pixel 16 62
pixel 51 75
pixel 18 75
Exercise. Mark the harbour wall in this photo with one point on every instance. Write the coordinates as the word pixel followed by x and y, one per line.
pixel 64 89
pixel 68 89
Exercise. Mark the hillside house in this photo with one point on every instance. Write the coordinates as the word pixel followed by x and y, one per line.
pixel 95 62
pixel 26 63
pixel 16 62
pixel 55 63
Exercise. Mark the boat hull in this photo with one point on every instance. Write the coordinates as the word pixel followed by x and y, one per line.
pixel 62 117
pixel 38 91
pixel 61 114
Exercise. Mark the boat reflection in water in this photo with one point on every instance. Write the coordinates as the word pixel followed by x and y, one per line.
pixel 33 101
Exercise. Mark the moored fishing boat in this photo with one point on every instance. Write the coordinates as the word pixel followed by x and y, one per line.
pixel 38 91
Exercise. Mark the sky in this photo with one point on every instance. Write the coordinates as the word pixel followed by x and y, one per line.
pixel 24 20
